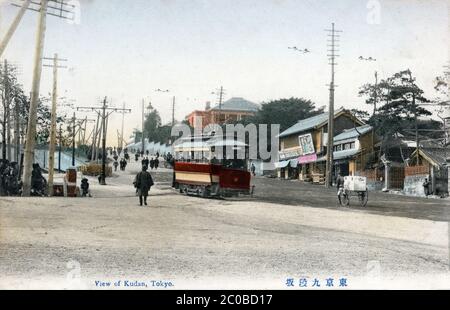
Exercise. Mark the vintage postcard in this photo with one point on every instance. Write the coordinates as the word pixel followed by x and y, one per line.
pixel 224 145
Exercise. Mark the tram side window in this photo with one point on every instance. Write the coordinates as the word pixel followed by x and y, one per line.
pixel 235 164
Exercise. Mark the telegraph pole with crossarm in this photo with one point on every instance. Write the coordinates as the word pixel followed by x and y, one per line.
pixel 104 112
pixel 332 58
pixel 52 147
pixel 61 9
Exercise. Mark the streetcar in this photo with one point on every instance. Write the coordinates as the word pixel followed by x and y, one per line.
pixel 201 166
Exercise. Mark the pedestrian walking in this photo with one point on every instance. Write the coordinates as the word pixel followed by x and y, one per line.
pixel 115 165
pixel 143 182
pixel 152 163
pixel 145 162
pixel 339 183
pixel 253 169
pixel 156 163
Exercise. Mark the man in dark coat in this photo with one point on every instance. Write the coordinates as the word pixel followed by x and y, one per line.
pixel 253 169
pixel 152 163
pixel 339 181
pixel 145 162
pixel 426 187
pixel 143 182
pixel 38 182
pixel 123 164
pixel 3 173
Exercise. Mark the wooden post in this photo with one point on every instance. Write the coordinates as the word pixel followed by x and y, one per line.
pixel 51 157
pixel 32 117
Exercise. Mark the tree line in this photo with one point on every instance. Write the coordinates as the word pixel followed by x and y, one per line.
pixel 14 111
pixel 399 106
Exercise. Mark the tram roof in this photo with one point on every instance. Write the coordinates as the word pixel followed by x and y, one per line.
pixel 199 145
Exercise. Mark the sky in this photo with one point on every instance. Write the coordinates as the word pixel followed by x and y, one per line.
pixel 126 49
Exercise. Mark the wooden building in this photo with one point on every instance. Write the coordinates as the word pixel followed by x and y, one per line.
pixel 303 147
pixel 429 162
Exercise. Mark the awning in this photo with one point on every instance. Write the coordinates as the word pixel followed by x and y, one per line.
pixel 282 164
pixel 307 158
pixel 293 163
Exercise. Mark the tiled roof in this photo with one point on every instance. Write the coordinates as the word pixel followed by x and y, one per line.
pixel 438 155
pixel 353 133
pixel 307 123
pixel 238 104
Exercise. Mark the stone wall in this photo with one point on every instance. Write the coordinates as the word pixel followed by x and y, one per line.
pixel 373 185
pixel 413 185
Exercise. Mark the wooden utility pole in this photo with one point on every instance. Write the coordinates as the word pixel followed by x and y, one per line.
pixel 330 145
pixel 103 179
pixel 220 92
pixel 103 113
pixel 121 132
pixel 13 26
pixel 60 147
pixel 62 9
pixel 173 111
pixel 17 130
pixel 99 138
pixel 416 127
pixel 73 138
pixel 94 139
pixel 376 94
pixel 220 103
pixel 83 138
pixel 143 116
pixel 32 117
pixel 52 146
pixel 75 131
pixel 7 115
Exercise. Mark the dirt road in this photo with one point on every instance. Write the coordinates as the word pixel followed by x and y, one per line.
pixel 206 243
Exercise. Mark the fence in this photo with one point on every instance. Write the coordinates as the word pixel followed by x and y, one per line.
pixel 417 170
pixel 372 174
pixel 397 177
pixel 375 177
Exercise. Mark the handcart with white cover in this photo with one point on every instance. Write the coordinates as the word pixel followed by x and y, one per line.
pixel 354 186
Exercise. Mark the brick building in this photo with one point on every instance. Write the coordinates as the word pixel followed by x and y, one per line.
pixel 230 111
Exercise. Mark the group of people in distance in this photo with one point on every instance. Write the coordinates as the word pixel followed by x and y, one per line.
pixel 10 184
pixel 123 164
pixel 152 162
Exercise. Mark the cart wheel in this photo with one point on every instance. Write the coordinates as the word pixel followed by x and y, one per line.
pixel 344 199
pixel 363 198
